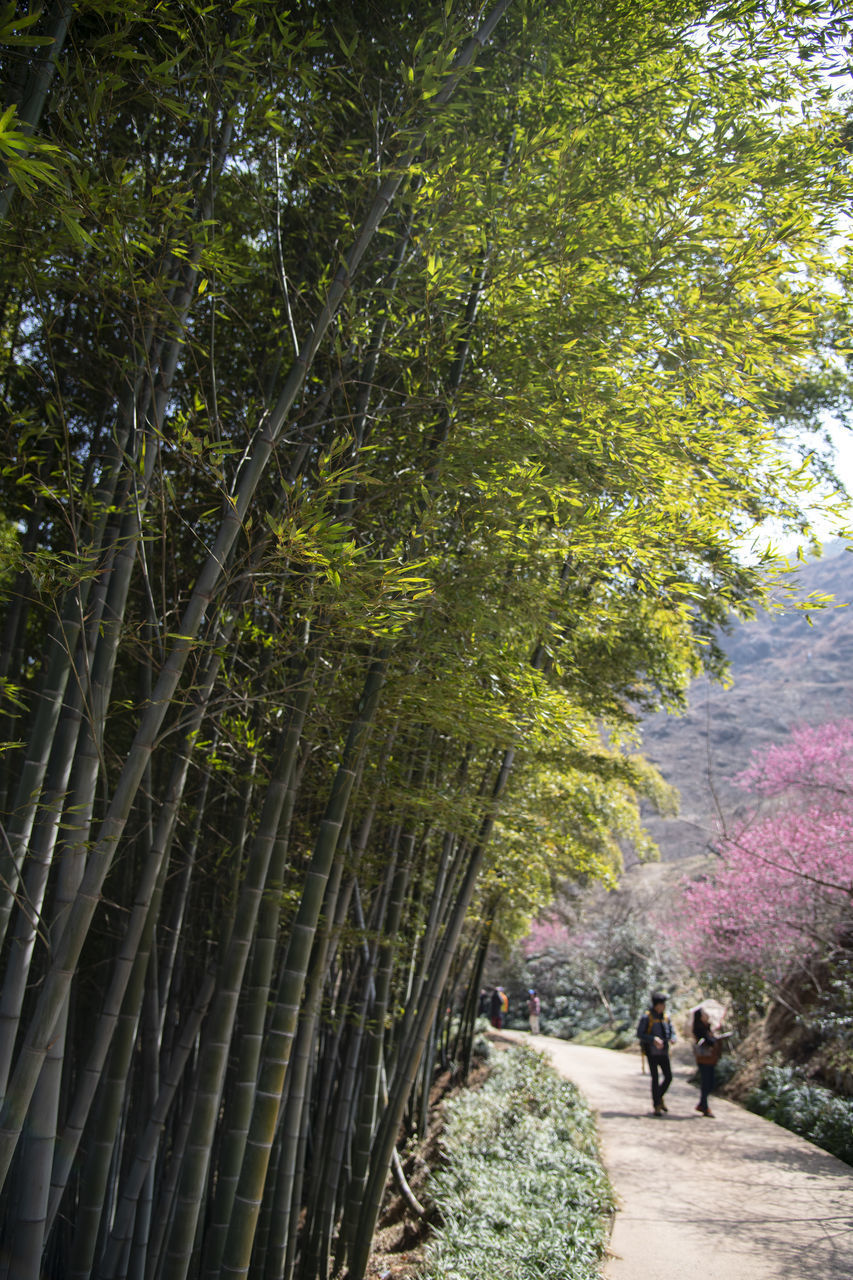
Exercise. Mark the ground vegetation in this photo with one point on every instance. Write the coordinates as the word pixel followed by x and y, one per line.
pixel 521 1191
pixel 790 1096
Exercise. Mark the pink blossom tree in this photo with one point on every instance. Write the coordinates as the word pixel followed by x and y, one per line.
pixel 782 895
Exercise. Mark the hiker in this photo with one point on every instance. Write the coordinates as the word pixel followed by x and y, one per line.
pixel 655 1033
pixel 707 1054
pixel 498 1007
pixel 533 1009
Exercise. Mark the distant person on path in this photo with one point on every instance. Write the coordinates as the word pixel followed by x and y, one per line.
pixel 655 1033
pixel 533 1010
pixel 707 1053
pixel 498 1007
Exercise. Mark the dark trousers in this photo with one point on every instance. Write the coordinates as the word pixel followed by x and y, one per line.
pixel 706 1081
pixel 661 1073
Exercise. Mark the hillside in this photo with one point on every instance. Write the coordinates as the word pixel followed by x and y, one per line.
pixel 787 668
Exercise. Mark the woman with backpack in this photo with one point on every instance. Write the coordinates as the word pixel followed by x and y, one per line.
pixel 707 1053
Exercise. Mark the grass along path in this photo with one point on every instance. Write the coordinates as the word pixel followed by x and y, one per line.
pixel 521 1191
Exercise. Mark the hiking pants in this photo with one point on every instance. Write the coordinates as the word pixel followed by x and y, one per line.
pixel 659 1063
pixel 706 1080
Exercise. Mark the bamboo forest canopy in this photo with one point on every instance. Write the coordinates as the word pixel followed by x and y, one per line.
pixel 388 394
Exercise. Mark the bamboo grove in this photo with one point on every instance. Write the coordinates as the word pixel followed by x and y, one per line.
pixel 388 394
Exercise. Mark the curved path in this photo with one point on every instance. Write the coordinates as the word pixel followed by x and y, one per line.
pixel 733 1198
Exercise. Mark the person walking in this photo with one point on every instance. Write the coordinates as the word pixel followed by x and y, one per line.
pixel 534 1008
pixel 707 1053
pixel 655 1033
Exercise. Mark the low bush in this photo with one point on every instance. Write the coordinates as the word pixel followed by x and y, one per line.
pixel 481 1046
pixel 607 1036
pixel 562 1028
pixel 810 1110
pixel 522 1193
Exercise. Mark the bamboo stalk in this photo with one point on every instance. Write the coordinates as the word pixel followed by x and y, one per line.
pixel 242 1098
pixel 122 1233
pixel 218 1034
pixel 282 1027
pixel 411 1055
pixel 289 1122
pixel 374 1067
pixel 142 917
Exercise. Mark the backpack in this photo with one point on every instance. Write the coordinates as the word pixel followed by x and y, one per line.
pixel 651 1019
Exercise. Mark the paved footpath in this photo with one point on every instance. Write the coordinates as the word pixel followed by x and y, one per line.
pixel 733 1198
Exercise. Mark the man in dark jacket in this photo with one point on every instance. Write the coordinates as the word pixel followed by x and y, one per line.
pixel 655 1034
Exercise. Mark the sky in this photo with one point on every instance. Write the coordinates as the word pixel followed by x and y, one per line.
pixel 827 529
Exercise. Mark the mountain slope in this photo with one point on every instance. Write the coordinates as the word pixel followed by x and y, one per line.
pixel 787 669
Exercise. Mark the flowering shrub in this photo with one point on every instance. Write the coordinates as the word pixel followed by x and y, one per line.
pixel 545 935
